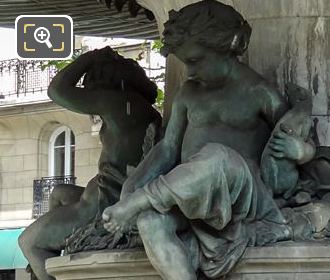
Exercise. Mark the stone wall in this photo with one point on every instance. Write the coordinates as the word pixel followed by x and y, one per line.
pixel 24 140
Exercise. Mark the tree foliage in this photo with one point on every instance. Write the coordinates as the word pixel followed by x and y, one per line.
pixel 60 64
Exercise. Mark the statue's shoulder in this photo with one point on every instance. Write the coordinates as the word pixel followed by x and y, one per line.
pixel 265 92
pixel 263 88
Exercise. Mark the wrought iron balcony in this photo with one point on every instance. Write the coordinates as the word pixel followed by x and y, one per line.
pixel 7 274
pixel 42 189
pixel 24 81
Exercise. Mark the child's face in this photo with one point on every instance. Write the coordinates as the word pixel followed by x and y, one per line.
pixel 204 64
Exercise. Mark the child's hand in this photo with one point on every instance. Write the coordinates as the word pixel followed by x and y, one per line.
pixel 284 144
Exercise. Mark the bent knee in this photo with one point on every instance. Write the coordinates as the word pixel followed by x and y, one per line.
pixel 26 241
pixel 149 222
pixel 146 219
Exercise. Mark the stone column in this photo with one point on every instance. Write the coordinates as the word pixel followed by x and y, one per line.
pixel 290 42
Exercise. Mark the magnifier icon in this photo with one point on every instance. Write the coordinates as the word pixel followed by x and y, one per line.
pixel 41 35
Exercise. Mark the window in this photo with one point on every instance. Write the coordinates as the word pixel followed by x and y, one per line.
pixel 62 152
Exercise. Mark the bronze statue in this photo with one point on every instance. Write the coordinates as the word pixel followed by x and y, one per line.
pixel 119 91
pixel 237 165
pixel 198 198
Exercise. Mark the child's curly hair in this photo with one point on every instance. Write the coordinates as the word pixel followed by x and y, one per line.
pixel 211 24
pixel 116 72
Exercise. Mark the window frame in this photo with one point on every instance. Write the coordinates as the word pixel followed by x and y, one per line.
pixel 67 151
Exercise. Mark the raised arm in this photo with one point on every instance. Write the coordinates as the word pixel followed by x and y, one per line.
pixel 63 90
pixel 165 155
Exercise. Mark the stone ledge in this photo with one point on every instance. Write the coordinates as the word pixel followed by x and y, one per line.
pixel 286 258
pixel 102 265
pixel 287 261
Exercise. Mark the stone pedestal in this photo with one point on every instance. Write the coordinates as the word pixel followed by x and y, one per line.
pixel 288 261
pixel 104 265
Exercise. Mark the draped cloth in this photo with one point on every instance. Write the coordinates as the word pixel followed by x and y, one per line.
pixel 92 235
pixel 110 181
pixel 224 199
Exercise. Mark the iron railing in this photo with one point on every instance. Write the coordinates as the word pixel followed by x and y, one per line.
pixel 42 189
pixel 22 78
pixel 7 274
pixel 26 80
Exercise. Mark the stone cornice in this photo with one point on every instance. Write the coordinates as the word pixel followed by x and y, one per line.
pixel 29 108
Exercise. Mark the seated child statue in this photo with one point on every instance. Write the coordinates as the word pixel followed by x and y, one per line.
pixel 198 198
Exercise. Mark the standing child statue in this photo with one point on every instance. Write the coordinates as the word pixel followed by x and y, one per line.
pixel 198 198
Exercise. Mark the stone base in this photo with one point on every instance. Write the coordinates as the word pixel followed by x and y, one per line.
pixel 104 265
pixel 287 261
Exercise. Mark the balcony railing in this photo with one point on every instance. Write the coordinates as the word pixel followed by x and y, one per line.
pixel 7 274
pixel 24 80
pixel 42 189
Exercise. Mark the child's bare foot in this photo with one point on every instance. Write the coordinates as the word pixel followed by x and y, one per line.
pixel 120 217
